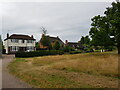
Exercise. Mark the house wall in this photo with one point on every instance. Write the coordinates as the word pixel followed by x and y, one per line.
pixel 8 43
pixel 41 46
pixel 20 44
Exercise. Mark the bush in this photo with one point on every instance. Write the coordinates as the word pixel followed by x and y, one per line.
pixel 68 49
pixel 38 53
pixel 56 45
pixel 88 50
pixel 75 52
pixel 3 51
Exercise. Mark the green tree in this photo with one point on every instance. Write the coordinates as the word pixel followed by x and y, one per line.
pixel 105 30
pixel 56 45
pixel 37 45
pixel 85 40
pixel 46 42
pixel 1 45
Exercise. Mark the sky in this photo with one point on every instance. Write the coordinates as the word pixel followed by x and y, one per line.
pixel 68 20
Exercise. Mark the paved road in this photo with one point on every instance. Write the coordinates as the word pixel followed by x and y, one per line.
pixel 8 80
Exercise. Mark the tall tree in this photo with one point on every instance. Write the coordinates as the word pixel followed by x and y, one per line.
pixel 46 42
pixel 113 16
pixel 37 45
pixel 103 27
pixel 56 45
pixel 1 47
pixel 100 32
pixel 85 40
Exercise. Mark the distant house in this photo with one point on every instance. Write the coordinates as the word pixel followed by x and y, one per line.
pixel 17 42
pixel 52 41
pixel 75 45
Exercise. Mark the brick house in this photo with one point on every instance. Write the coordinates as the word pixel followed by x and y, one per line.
pixel 75 45
pixel 52 41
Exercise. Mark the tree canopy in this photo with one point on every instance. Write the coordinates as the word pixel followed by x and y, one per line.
pixel 85 40
pixel 56 45
pixel 46 42
pixel 105 30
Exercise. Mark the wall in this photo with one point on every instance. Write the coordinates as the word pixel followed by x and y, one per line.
pixel 8 43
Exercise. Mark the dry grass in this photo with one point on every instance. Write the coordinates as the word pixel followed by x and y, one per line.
pixel 104 65
pixel 68 71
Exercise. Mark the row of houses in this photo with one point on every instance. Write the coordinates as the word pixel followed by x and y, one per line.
pixel 17 42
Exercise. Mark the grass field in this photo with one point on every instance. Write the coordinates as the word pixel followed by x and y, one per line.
pixel 89 70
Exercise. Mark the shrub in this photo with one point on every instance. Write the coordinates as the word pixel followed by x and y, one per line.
pixel 89 50
pixel 68 49
pixel 56 46
pixel 38 53
pixel 75 52
pixel 3 51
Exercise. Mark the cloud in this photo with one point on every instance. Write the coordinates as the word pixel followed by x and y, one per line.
pixel 68 20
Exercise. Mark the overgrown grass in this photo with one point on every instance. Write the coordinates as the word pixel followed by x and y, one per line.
pixel 93 64
pixel 89 70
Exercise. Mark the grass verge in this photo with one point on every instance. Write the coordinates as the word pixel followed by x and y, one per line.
pixel 89 70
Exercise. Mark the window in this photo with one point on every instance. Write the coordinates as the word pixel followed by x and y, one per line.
pixel 14 40
pixel 73 46
pixel 30 48
pixel 23 41
pixel 14 48
pixel 29 41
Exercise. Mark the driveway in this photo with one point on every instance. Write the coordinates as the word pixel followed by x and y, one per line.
pixel 8 80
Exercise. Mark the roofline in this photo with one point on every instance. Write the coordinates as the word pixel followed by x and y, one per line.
pixel 19 39
pixel 53 37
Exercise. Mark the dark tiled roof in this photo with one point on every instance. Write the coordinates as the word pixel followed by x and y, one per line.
pixel 75 44
pixel 18 36
pixel 53 39
pixel 72 43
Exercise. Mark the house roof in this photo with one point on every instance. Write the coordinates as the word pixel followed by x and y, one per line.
pixel 19 36
pixel 75 44
pixel 53 39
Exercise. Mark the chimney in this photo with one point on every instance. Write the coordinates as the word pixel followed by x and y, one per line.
pixel 31 36
pixel 66 41
pixel 57 37
pixel 43 35
pixel 7 35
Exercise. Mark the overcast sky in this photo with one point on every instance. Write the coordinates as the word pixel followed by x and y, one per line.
pixel 68 20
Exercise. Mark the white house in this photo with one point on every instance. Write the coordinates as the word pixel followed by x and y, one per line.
pixel 17 42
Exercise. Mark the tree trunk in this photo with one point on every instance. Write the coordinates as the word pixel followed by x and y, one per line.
pixel 118 49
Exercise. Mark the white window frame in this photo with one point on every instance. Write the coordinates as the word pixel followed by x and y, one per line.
pixel 14 48
pixel 14 40
pixel 23 41
pixel 29 41
pixel 31 48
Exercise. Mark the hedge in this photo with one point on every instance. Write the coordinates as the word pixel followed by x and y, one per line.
pixel 75 52
pixel 38 53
